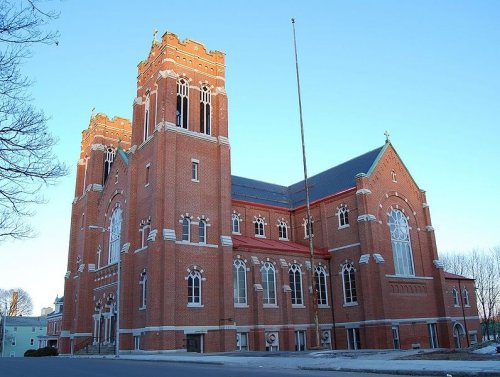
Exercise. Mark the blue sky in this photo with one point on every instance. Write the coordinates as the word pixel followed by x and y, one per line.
pixel 425 71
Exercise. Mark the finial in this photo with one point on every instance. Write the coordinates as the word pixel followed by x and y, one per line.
pixel 155 31
pixel 92 115
pixel 387 137
pixel 293 20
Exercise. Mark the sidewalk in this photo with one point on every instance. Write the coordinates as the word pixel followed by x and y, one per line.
pixel 375 361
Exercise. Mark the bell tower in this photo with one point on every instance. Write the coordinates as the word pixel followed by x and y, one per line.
pixel 181 179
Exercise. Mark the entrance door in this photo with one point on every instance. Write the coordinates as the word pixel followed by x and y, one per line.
pixel 193 343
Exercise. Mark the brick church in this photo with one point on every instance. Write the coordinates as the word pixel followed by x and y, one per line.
pixel 213 262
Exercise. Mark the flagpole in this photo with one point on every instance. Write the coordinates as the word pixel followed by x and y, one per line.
pixel 308 206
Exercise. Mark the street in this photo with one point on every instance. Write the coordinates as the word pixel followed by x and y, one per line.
pixel 82 367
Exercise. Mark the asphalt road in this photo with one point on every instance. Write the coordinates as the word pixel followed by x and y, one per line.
pixel 81 367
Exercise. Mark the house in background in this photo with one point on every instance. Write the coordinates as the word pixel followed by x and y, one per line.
pixel 54 323
pixel 22 334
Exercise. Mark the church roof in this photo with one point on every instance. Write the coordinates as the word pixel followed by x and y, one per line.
pixel 449 275
pixel 329 182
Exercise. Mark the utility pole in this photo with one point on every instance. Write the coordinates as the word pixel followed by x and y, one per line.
pixel 308 206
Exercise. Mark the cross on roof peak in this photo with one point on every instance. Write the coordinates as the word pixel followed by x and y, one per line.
pixel 386 136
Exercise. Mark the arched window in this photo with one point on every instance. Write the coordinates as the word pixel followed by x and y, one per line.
pixel 205 103
pixel 239 282
pixel 115 236
pixel 144 289
pixel 401 245
pixel 343 216
pixel 306 228
pixel 458 334
pixel 202 231
pixel 259 227
pixel 282 230
pixel 268 275
pixel 146 118
pixel 194 288
pixel 466 297
pixel 295 277
pixel 320 282
pixel 182 103
pixel 454 294
pixel 349 283
pixel 186 229
pixel 108 161
pixel 235 223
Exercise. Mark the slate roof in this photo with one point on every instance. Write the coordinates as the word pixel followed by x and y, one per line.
pixel 26 321
pixel 123 155
pixel 449 275
pixel 331 181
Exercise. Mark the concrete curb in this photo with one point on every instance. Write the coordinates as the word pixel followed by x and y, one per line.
pixel 403 372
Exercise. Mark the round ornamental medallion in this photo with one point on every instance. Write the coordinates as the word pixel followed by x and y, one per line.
pixel 271 338
pixel 325 335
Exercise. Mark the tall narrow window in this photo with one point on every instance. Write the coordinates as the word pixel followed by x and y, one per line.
pixel 454 294
pixel 353 339
pixel 195 170
pixel 395 337
pixel 259 227
pixel 343 216
pixel 108 161
pixel 401 245
pixel 235 223
pixel 268 275
pixel 194 288
pixel 320 282
pixel 186 229
pixel 146 118
pixel 144 230
pixel 182 103
pixel 349 283
pixel 144 289
pixel 115 236
pixel 146 179
pixel 242 341
pixel 466 297
pixel 205 103
pixel 202 231
pixel 239 282
pixel 295 277
pixel 300 340
pixel 433 338
pixel 306 228
pixel 282 230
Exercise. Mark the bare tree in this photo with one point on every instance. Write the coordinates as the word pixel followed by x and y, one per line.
pixel 457 263
pixel 27 162
pixel 484 267
pixel 17 301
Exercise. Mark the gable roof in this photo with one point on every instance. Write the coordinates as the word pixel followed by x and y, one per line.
pixel 26 321
pixel 331 181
